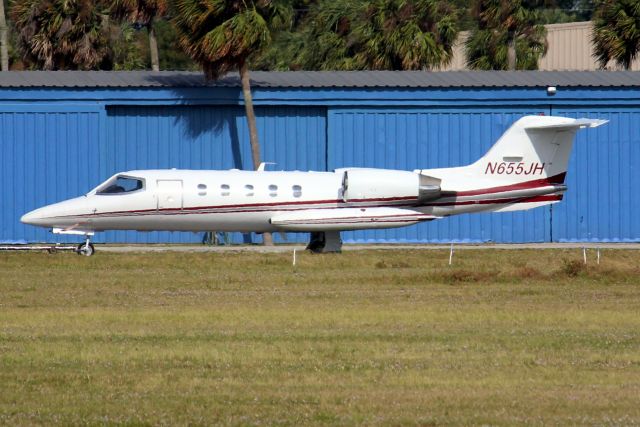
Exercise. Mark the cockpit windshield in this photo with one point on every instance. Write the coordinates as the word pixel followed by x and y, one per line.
pixel 121 184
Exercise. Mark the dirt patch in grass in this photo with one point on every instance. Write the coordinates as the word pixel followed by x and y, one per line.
pixel 455 275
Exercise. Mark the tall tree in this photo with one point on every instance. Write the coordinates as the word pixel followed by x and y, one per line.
pixel 507 35
pixel 561 11
pixel 405 34
pixel 172 57
pixel 328 40
pixel 127 48
pixel 379 35
pixel 616 32
pixel 222 35
pixel 143 13
pixel 60 34
pixel 4 50
pixel 287 42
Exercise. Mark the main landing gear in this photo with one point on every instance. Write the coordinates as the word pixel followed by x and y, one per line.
pixel 323 242
pixel 86 248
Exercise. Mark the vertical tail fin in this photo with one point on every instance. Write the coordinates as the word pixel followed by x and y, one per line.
pixel 534 147
pixel 524 169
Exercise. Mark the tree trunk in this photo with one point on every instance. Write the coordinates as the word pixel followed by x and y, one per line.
pixel 511 52
pixel 253 130
pixel 153 48
pixel 251 117
pixel 4 50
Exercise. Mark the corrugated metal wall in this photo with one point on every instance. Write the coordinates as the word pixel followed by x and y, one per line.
pixel 48 154
pixel 603 179
pixel 570 48
pixel 416 139
pixel 45 156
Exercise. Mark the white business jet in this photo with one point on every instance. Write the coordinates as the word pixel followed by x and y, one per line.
pixel 524 169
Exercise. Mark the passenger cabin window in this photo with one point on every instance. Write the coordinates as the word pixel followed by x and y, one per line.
pixel 224 189
pixel 273 190
pixel 122 184
pixel 297 191
pixel 248 190
pixel 202 190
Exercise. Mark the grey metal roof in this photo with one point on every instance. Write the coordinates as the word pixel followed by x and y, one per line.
pixel 321 79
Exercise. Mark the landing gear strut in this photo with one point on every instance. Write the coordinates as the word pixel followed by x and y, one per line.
pixel 86 248
pixel 322 242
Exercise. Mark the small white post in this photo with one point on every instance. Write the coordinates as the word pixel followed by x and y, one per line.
pixel 598 255
pixel 451 255
pixel 294 257
pixel 584 254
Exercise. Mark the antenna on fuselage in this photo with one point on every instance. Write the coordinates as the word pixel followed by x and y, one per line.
pixel 263 165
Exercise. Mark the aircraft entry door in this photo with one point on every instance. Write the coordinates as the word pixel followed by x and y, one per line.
pixel 169 193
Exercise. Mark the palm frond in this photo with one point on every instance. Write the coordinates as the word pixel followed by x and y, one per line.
pixel 222 35
pixel 60 34
pixel 616 32
pixel 497 23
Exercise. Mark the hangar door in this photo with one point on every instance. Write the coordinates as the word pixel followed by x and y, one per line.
pixel 430 138
pixel 47 154
pixel 209 137
pixel 603 177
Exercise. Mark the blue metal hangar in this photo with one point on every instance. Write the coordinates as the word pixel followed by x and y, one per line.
pixel 62 133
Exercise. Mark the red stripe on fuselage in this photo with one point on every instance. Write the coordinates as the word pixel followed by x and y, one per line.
pixel 527 185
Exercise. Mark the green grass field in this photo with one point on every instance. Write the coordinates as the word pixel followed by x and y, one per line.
pixel 369 337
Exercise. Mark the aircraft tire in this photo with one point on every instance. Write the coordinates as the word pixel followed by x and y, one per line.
pixel 85 249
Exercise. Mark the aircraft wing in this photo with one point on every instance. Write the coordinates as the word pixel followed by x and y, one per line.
pixel 347 219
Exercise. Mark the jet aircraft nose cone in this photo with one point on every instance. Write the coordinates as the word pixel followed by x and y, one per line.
pixel 59 214
pixel 33 218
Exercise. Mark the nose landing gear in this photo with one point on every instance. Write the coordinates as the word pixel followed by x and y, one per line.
pixel 86 248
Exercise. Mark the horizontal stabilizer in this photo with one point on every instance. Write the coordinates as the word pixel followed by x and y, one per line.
pixel 573 124
pixel 347 219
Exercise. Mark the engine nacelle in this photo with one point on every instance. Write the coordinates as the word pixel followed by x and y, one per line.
pixel 367 184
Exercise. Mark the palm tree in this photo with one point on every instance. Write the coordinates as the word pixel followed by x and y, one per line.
pixel 60 34
pixel 4 51
pixel 143 13
pixel 507 35
pixel 405 34
pixel 379 35
pixel 616 32
pixel 287 42
pixel 328 40
pixel 221 36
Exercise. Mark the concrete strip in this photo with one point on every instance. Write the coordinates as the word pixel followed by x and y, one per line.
pixel 289 248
